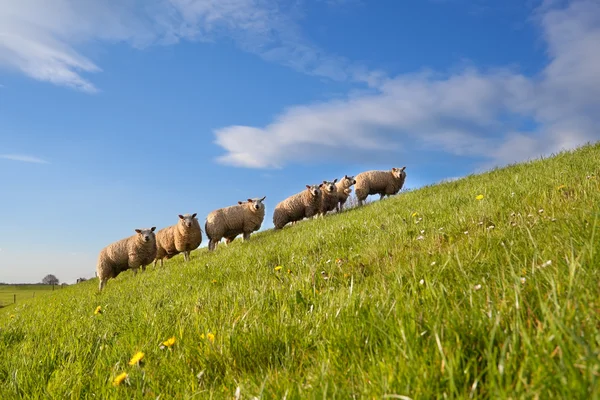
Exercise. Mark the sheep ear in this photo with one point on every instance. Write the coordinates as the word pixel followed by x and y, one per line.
pixel 402 169
pixel 324 181
pixel 263 199
pixel 308 186
pixel 180 216
pixel 335 180
pixel 250 200
pixel 153 229
pixel 345 176
pixel 240 202
pixel 138 230
pixel 321 185
pixel 194 215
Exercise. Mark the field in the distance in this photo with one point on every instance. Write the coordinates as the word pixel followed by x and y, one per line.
pixel 8 293
pixel 432 293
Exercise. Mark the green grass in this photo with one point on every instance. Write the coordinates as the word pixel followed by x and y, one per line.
pixel 23 292
pixel 412 296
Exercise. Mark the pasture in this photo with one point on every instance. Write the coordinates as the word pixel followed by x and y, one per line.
pixel 11 293
pixel 485 287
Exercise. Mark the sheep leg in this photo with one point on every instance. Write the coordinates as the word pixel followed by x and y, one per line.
pixel 102 284
pixel 246 237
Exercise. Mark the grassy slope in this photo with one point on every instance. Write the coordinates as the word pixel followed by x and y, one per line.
pixel 371 328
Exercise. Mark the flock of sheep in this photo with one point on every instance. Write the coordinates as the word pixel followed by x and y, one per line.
pixel 243 218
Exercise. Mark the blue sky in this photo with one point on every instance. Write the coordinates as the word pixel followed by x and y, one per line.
pixel 122 114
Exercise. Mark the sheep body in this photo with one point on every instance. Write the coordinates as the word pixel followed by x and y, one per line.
pixel 343 190
pixel 305 204
pixel 329 197
pixel 183 237
pixel 243 218
pixel 132 252
pixel 384 183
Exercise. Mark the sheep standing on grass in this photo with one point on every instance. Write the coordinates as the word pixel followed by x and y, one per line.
pixel 305 204
pixel 133 252
pixel 329 197
pixel 384 183
pixel 182 237
pixel 344 190
pixel 243 218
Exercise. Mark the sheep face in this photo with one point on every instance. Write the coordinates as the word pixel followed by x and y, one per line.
pixel 329 187
pixel 187 220
pixel 349 181
pixel 145 235
pixel 256 204
pixel 399 172
pixel 315 190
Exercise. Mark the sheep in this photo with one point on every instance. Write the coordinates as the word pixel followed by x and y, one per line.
pixel 384 183
pixel 305 204
pixel 329 197
pixel 182 237
pixel 243 218
pixel 132 252
pixel 344 190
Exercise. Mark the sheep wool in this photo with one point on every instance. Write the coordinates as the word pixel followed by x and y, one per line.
pixel 329 197
pixel 343 190
pixel 133 252
pixel 305 204
pixel 384 183
pixel 243 218
pixel 182 237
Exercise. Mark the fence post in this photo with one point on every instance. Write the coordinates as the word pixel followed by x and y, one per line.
pixel 14 298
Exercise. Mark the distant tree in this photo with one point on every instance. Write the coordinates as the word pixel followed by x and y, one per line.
pixel 50 280
pixel 81 280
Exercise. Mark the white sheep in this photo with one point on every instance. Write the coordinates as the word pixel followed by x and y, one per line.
pixel 305 204
pixel 133 252
pixel 182 237
pixel 344 190
pixel 329 197
pixel 384 183
pixel 243 218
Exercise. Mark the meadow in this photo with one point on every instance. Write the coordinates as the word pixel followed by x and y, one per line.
pixel 10 293
pixel 484 287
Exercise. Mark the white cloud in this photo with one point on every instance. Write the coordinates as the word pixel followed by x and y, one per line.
pixel 23 158
pixel 42 39
pixel 473 113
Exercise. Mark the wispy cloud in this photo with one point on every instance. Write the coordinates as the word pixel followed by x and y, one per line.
pixel 499 116
pixel 23 158
pixel 43 39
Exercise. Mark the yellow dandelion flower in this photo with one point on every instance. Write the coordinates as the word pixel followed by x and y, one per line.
pixel 214 281
pixel 414 214
pixel 210 337
pixel 561 187
pixel 479 197
pixel 169 342
pixel 98 310
pixel 202 336
pixel 137 357
pixel 120 378
pixel 289 271
pixel 277 268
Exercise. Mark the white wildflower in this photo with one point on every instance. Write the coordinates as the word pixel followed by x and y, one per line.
pixel 422 281
pixel 477 287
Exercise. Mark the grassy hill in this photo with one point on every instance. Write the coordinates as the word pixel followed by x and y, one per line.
pixel 428 294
